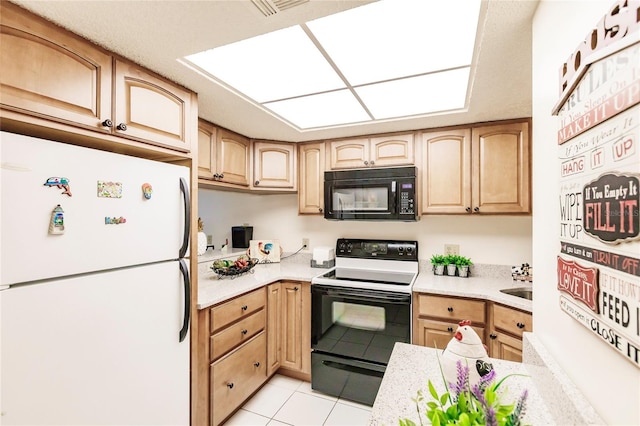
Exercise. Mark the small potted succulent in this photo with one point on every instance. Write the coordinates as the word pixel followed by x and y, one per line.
pixel 463 263
pixel 438 261
pixel 450 261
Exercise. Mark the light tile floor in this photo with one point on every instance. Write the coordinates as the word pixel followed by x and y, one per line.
pixel 287 401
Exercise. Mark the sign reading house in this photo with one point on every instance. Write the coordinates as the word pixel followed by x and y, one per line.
pixel 598 267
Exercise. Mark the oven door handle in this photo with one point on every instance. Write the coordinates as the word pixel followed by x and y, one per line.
pixel 390 298
pixel 377 371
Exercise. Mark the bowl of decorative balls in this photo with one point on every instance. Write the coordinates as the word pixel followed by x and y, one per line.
pixel 233 268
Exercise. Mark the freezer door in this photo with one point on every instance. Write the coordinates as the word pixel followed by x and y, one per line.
pixel 97 232
pixel 101 349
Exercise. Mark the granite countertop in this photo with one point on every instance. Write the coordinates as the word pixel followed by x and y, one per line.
pixel 213 290
pixel 486 287
pixel 409 370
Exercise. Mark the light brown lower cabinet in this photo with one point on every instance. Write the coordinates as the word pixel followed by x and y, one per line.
pixel 289 328
pixel 500 327
pixel 236 376
pixel 505 332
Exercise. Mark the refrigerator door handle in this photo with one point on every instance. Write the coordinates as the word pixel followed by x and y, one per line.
pixel 184 188
pixel 187 299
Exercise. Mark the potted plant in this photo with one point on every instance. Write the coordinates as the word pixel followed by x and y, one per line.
pixel 463 264
pixel 450 261
pixel 438 262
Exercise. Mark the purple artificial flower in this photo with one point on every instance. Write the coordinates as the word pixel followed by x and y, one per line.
pixel 462 384
pixel 518 412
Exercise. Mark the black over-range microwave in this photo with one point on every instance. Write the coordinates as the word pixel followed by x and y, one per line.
pixel 371 194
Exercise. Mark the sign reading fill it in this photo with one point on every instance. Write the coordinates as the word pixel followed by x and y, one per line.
pixel 599 183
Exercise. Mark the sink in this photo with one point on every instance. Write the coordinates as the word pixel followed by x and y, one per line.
pixel 524 292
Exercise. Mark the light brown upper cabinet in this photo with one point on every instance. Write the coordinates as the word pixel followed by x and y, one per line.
pixel 274 165
pixel 151 109
pixel 382 151
pixel 49 73
pixel 311 157
pixel 223 156
pixel 478 170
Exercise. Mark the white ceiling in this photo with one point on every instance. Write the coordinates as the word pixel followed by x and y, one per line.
pixel 156 33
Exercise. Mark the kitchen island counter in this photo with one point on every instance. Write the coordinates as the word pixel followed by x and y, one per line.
pixel 409 370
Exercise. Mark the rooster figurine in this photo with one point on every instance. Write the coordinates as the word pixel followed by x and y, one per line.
pixel 466 346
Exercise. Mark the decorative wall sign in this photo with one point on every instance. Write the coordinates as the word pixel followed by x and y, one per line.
pixel 109 189
pixel 599 179
pixel 59 182
pixel 56 224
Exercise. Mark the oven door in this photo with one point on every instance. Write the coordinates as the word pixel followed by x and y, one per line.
pixel 353 332
pixel 361 199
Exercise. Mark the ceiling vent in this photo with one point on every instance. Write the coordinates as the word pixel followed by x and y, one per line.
pixel 271 7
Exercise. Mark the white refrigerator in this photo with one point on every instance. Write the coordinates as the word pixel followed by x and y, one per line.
pixel 94 288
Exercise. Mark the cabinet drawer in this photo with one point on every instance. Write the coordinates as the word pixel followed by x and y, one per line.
pixel 511 321
pixel 233 336
pixel 451 309
pixel 437 334
pixel 236 309
pixel 236 376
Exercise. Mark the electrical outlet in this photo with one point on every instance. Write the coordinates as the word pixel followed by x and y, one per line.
pixel 305 242
pixel 451 249
pixel 209 239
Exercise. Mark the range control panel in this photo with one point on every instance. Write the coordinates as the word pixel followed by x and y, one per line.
pixel 377 249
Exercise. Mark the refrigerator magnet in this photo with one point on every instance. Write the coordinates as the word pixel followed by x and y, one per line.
pixel 56 224
pixel 147 190
pixel 109 189
pixel 59 182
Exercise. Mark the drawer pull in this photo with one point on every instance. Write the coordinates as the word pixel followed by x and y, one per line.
pixel 493 336
pixel 450 329
pixel 230 385
pixel 244 307
pixel 450 309
pixel 520 325
pixel 244 331
pixel 107 123
pixel 295 289
pixel 122 127
pixel 256 364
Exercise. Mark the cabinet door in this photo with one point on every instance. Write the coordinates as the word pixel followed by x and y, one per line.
pixel 392 150
pixel 152 109
pixel 236 376
pixel 50 73
pixel 501 170
pixel 292 325
pixel 438 334
pixel 232 153
pixel 311 166
pixel 446 171
pixel 206 150
pixel 505 347
pixel 349 154
pixel 274 327
pixel 274 165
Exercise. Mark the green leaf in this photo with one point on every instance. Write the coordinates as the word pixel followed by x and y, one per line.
pixel 433 392
pixel 464 420
pixel 444 398
pixel 432 405
pixel 462 403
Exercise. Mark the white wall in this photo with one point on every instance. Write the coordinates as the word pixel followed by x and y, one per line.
pixel 498 240
pixel 610 383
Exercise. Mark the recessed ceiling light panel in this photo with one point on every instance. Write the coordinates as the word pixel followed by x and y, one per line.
pixel 326 109
pixel 399 38
pixel 425 94
pixel 270 67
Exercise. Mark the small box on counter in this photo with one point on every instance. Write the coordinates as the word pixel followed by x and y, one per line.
pixel 323 257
